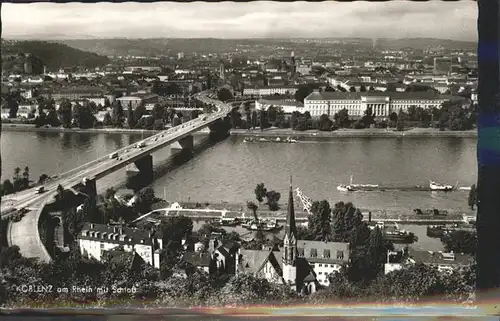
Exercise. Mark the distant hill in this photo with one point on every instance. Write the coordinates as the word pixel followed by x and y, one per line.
pixel 164 46
pixel 41 53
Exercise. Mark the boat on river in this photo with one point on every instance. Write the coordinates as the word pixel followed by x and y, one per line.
pixel 433 212
pixel 438 231
pixel 434 186
pixel 345 188
pixel 262 225
pixel 393 233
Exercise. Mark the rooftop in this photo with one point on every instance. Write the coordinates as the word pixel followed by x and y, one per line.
pixel 357 95
pixel 323 252
pixel 114 234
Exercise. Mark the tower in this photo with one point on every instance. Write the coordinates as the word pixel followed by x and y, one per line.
pixel 222 71
pixel 290 243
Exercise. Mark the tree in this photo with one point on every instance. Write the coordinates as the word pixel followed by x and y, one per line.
pixel 280 121
pixel 273 198
pixel 368 117
pixel 130 116
pixel 74 220
pixel 294 119
pixel 52 118
pixel 253 207
pixel 260 192
pixel 342 118
pixel 345 218
pixel 325 123
pixel 173 229
pixel 107 121
pixel 460 242
pixel 272 113
pixel 319 223
pixel 66 113
pixel 472 197
pixel 26 178
pixel 42 178
pixel 302 92
pixel 117 115
pixel 254 119
pixel 7 187
pixel 263 120
pixel 83 116
pixel 362 89
pixel 329 89
pixel 13 107
pixel 139 112
pixel 224 94
pixel 145 198
pixel 400 123
pixel 352 89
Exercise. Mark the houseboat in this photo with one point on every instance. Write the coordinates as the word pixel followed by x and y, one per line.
pixel 393 233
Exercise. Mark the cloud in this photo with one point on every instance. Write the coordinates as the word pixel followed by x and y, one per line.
pixel 453 20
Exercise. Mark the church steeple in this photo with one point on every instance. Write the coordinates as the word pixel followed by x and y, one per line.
pixel 290 244
pixel 290 227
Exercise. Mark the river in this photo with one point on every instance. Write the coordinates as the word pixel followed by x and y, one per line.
pixel 229 170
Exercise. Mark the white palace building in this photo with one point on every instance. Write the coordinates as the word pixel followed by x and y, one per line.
pixel 381 103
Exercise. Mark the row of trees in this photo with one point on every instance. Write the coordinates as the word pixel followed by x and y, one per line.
pixel 450 116
pixel 20 181
pixel 139 118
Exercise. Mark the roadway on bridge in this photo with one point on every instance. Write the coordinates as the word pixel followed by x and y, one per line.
pixel 24 233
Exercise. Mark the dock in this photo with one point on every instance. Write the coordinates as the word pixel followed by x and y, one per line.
pixel 210 214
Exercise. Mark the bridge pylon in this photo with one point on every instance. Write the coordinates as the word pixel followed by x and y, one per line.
pixel 186 143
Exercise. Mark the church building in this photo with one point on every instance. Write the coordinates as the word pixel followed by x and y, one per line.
pixel 304 265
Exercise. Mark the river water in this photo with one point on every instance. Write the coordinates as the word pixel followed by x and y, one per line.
pixel 229 170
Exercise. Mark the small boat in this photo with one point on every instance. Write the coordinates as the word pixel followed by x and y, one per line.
pixel 278 140
pixel 291 140
pixel 434 186
pixel 262 139
pixel 229 221
pixel 345 188
pixel 435 231
pixel 464 188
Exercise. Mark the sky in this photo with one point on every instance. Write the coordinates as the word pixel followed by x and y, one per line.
pixel 395 19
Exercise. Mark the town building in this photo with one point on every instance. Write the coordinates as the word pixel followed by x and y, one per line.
pixel 444 262
pixel 381 104
pixel 270 90
pixel 136 100
pixel 95 239
pixel 288 105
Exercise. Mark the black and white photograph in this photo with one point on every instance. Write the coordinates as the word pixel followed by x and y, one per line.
pixel 259 155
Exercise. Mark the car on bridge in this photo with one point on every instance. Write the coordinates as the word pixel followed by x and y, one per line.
pixel 113 155
pixel 140 145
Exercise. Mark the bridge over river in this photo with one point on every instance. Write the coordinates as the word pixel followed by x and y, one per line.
pixel 25 234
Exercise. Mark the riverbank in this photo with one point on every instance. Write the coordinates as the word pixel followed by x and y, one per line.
pixel 32 128
pixel 207 210
pixel 270 132
pixel 353 133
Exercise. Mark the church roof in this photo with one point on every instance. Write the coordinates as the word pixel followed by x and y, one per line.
pixel 290 226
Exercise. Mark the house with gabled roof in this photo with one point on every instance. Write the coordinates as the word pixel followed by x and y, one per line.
pixel 95 239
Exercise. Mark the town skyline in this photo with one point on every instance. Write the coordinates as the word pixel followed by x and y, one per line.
pixel 256 20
